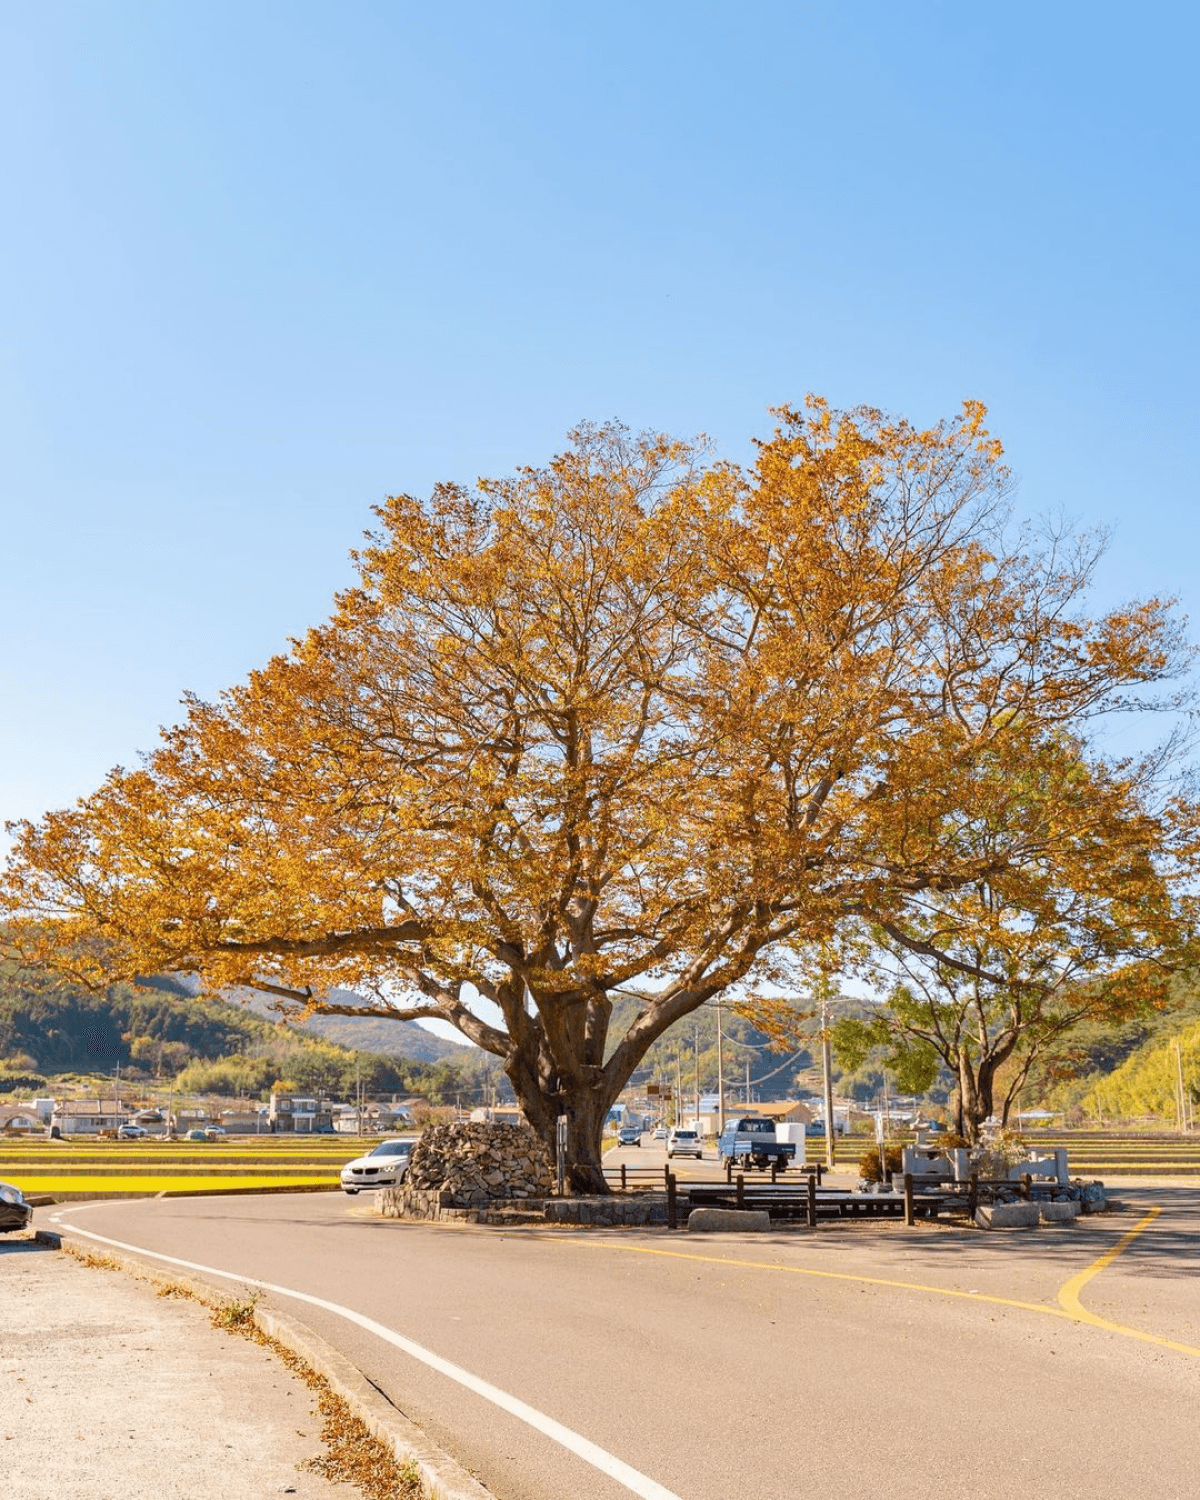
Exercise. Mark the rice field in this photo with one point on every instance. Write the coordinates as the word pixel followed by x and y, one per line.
pixel 1124 1153
pixel 91 1168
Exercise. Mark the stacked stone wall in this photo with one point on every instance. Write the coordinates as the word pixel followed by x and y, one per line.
pixel 471 1170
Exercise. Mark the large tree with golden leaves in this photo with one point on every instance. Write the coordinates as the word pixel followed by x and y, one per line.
pixel 637 720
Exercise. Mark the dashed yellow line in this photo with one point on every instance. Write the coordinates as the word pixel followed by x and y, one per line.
pixel 1069 1306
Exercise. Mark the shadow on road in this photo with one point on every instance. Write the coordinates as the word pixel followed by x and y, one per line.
pixel 1169 1246
pixel 24 1245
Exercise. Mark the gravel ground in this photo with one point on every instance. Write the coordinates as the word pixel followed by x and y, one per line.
pixel 110 1391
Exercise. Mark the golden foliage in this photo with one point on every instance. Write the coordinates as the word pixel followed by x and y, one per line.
pixel 637 718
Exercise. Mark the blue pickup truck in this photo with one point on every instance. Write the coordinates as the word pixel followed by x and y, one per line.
pixel 749 1141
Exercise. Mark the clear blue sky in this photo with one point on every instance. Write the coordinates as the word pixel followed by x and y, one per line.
pixel 263 264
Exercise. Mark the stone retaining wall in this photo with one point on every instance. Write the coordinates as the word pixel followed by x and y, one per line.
pixel 644 1209
pixel 427 1204
pixel 431 1204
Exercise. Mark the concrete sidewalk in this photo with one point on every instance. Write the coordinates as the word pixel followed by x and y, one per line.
pixel 110 1390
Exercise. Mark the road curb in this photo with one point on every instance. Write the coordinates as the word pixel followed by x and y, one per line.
pixel 444 1477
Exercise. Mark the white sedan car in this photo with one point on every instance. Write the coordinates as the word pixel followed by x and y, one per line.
pixel 385 1166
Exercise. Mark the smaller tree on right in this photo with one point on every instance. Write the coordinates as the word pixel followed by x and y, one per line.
pixel 988 979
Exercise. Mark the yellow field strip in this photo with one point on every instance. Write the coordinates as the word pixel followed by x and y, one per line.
pixel 178 1169
pixel 164 1184
pixel 12 1151
pixel 1181 1169
pixel 167 1163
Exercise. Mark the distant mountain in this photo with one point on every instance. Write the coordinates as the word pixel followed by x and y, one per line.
pixel 390 1038
pixel 1146 1083
pixel 365 1033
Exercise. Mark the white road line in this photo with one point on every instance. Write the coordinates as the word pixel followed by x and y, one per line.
pixel 574 1442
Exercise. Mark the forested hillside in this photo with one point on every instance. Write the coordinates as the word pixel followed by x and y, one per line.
pixel 162 1032
pixel 1131 1071
pixel 1146 1084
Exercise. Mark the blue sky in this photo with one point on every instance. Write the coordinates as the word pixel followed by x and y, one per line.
pixel 265 263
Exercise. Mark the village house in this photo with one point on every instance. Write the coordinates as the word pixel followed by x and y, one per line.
pixel 371 1119
pixel 88 1116
pixel 300 1113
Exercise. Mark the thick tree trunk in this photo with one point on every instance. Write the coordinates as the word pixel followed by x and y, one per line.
pixel 967 1102
pixel 586 1108
pixel 585 1131
pixel 973 1102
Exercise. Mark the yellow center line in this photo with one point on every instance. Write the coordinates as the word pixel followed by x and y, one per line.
pixel 1068 1297
pixel 763 1265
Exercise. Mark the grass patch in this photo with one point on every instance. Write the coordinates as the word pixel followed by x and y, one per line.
pixel 98 1262
pixel 236 1315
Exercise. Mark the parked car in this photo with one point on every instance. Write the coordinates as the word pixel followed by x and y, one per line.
pixel 629 1135
pixel 15 1212
pixel 214 1132
pixel 386 1166
pixel 194 1135
pixel 131 1132
pixel 685 1143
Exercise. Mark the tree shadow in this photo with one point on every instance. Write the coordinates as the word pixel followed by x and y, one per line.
pixel 1169 1246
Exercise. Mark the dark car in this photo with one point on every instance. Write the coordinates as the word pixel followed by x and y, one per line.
pixel 15 1212
pixel 629 1135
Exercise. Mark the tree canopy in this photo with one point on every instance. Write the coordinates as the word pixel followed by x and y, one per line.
pixel 991 977
pixel 640 721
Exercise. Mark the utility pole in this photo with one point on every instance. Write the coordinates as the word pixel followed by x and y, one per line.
pixel 1181 1092
pixel 696 1045
pixel 827 1067
pixel 720 1075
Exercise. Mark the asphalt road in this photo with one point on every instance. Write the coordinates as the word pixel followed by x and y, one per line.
pixel 857 1359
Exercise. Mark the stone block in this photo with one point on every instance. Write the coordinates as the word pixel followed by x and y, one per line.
pixel 1059 1212
pixel 1008 1216
pixel 712 1220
